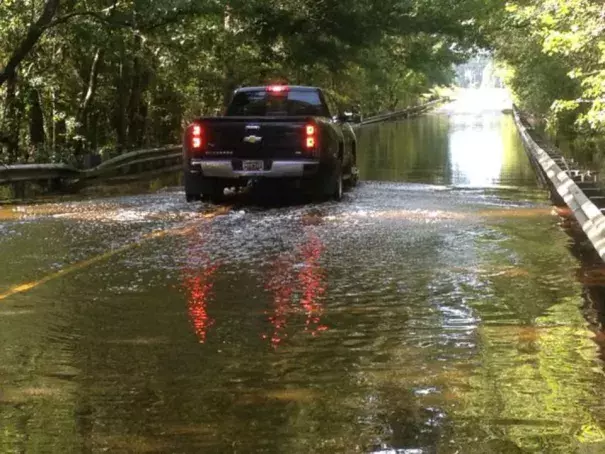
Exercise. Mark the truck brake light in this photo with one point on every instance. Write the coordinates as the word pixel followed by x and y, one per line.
pixel 310 137
pixel 196 137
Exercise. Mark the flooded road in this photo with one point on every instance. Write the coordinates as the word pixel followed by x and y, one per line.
pixel 438 308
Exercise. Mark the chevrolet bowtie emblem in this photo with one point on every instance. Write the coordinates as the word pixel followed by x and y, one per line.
pixel 252 139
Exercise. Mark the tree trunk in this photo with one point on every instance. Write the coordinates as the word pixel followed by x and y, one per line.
pixel 86 102
pixel 228 86
pixel 136 92
pixel 121 114
pixel 229 83
pixel 91 90
pixel 137 107
pixel 33 35
pixel 60 135
pixel 9 132
pixel 36 119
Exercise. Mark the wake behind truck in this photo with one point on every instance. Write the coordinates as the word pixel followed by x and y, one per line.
pixel 279 133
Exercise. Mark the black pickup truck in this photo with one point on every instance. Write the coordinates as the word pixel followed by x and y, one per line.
pixel 277 133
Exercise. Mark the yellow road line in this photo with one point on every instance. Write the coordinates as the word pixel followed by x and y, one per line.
pixel 22 288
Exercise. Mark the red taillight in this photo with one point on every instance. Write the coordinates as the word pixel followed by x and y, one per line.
pixel 196 139
pixel 310 137
pixel 277 88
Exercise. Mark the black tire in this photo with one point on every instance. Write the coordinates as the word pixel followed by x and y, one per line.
pixel 193 198
pixel 337 184
pixel 327 185
pixel 332 184
pixel 353 179
pixel 353 172
pixel 214 192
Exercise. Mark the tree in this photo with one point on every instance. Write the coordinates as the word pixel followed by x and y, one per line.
pixel 25 46
pixel 555 51
pixel 107 76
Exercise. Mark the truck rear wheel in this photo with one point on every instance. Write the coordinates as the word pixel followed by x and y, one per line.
pixel 193 198
pixel 331 185
pixel 353 179
pixel 213 192
pixel 338 185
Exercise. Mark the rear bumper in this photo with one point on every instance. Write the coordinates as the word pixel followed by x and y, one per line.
pixel 275 169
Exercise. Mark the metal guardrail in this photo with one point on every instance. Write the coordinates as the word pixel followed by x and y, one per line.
pixel 576 188
pixel 137 161
pixel 133 156
pixel 155 160
pixel 32 172
pixel 404 113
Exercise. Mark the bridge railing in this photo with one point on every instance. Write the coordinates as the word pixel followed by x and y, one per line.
pixel 576 188
pixel 403 113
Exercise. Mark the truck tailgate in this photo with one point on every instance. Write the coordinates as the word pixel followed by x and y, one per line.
pixel 256 138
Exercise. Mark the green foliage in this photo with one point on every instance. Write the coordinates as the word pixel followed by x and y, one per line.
pixel 6 193
pixel 555 50
pixel 110 76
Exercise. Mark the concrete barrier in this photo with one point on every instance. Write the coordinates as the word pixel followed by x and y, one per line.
pixel 588 215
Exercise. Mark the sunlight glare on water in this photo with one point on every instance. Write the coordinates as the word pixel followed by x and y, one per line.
pixel 466 143
pixel 475 146
pixel 479 101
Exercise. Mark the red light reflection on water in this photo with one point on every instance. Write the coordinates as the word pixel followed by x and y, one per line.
pixel 282 286
pixel 199 288
pixel 311 278
pixel 297 282
pixel 198 284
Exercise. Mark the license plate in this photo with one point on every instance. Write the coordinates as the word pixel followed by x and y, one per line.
pixel 252 165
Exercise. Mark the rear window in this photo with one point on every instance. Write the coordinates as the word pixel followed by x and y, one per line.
pixel 262 103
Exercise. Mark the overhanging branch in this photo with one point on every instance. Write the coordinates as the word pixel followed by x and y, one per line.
pixel 33 35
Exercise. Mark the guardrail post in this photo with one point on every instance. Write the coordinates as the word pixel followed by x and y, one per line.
pixel 18 188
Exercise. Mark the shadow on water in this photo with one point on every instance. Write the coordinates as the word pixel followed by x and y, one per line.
pixel 590 273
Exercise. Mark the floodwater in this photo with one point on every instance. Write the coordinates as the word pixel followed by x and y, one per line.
pixel 441 307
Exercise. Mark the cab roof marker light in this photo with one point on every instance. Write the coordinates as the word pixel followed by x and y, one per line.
pixel 277 88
